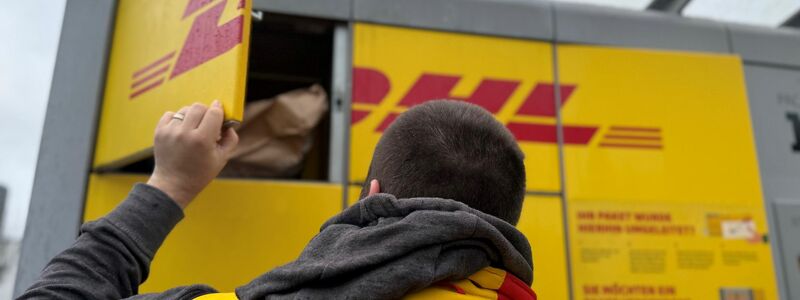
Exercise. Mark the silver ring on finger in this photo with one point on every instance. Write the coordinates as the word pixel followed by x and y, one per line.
pixel 178 116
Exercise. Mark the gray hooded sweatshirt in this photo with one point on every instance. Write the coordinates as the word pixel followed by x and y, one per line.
pixel 379 248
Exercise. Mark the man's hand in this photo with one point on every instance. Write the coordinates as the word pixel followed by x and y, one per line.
pixel 189 153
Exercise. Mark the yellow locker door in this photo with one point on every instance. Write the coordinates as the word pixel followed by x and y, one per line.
pixel 665 202
pixel 396 68
pixel 234 230
pixel 165 55
pixel 542 224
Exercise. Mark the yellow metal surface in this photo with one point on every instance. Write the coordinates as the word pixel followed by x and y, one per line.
pixel 218 296
pixel 234 231
pixel 396 68
pixel 672 160
pixel 541 222
pixel 165 55
pixel 634 250
pixel 353 193
pixel 690 109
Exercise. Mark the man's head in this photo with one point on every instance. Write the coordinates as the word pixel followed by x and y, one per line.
pixel 454 150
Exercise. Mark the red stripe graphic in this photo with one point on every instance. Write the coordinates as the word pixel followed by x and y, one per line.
pixel 387 121
pixel 207 40
pixel 357 115
pixel 637 129
pixel 642 146
pixel 577 135
pixel 429 87
pixel 369 85
pixel 633 137
pixel 195 5
pixel 147 88
pixel 151 76
pixel 490 94
pixel 540 101
pixel 153 65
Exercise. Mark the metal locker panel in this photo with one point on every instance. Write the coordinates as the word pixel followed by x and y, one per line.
pixel 511 18
pixel 671 141
pixel 766 45
pixel 774 95
pixel 396 68
pixel 787 214
pixel 608 26
pixel 233 231
pixel 651 141
pixel 329 9
pixel 775 104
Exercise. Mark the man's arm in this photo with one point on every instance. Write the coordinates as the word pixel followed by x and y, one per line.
pixel 112 255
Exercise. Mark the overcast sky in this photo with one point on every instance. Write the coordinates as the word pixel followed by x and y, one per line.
pixel 30 30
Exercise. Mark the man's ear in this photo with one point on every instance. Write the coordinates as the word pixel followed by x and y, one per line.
pixel 374 187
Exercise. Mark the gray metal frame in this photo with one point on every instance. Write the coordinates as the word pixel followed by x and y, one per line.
pixel 327 9
pixel 775 47
pixel 647 29
pixel 510 18
pixel 785 216
pixel 772 51
pixel 339 154
pixel 65 154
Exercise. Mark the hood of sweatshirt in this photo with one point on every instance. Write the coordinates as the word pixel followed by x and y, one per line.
pixel 384 248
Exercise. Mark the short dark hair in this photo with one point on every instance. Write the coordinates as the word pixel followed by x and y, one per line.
pixel 454 150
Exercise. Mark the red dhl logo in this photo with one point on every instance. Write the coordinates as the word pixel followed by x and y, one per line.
pixel 370 87
pixel 206 41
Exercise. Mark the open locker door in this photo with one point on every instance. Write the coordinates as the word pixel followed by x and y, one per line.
pixel 165 55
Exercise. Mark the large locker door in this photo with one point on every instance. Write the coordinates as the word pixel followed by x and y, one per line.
pixel 396 68
pixel 232 232
pixel 665 200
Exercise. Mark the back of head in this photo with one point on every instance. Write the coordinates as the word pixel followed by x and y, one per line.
pixel 453 150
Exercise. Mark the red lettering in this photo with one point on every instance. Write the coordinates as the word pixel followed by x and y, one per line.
pixel 490 94
pixel 370 86
pixel 576 135
pixel 357 115
pixel 429 87
pixel 540 100
pixel 591 289
pixel 387 121
pixel 585 215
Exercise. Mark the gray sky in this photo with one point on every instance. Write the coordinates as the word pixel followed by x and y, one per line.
pixel 30 30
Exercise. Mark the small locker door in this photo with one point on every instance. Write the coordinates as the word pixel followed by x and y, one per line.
pixel 165 55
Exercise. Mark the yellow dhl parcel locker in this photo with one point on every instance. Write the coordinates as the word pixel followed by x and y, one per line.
pixel 664 201
pixel 167 54
pixel 395 68
pixel 514 75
